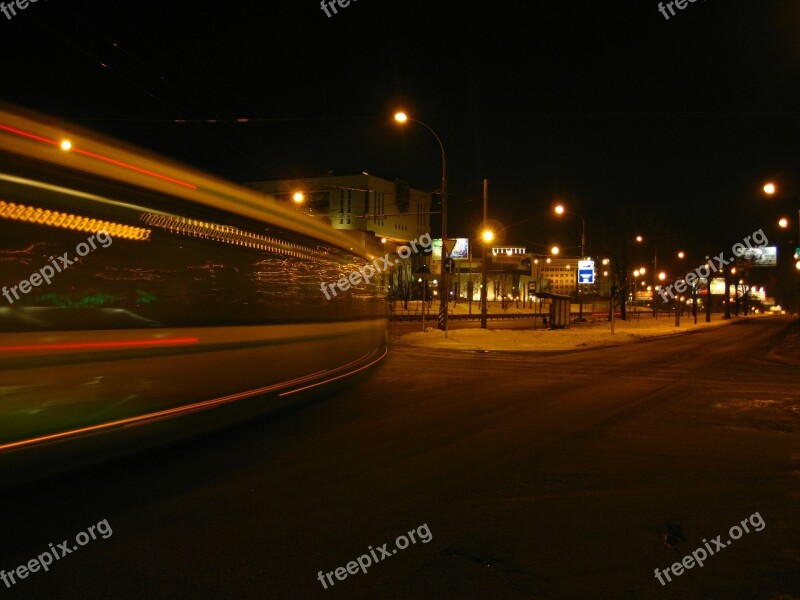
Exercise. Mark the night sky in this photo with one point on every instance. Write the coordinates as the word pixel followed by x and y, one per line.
pixel 641 124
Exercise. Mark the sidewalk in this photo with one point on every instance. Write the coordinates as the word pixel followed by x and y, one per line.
pixel 596 332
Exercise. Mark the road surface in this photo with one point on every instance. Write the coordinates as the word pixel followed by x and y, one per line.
pixel 531 476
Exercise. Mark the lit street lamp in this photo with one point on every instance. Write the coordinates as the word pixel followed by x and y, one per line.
pixel 560 210
pixel 640 239
pixel 770 189
pixel 487 236
pixel 402 118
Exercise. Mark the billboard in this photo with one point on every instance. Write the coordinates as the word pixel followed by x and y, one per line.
pixel 718 286
pixel 461 249
pixel 766 256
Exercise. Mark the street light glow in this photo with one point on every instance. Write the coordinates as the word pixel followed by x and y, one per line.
pixel 400 117
pixel 769 188
pixel 66 145
pixel 555 250
pixel 487 236
pixel 559 209
pixel 639 239
pixel 681 254
pixel 298 197
pixel 783 223
pixel 662 276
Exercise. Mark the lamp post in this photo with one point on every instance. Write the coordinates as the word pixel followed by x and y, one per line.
pixel 401 118
pixel 560 210
pixel 770 189
pixel 487 236
pixel 640 240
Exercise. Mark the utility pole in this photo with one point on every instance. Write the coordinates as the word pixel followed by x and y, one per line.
pixel 655 279
pixel 485 251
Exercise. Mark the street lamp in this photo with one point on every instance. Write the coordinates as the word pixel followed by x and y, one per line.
pixel 640 239
pixel 402 118
pixel 555 250
pixel 298 197
pixel 560 210
pixel 770 189
pixel 487 236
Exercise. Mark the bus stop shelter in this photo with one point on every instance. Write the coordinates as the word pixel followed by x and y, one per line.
pixel 560 309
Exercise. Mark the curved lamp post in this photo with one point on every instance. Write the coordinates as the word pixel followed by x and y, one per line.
pixel 402 118
pixel 560 210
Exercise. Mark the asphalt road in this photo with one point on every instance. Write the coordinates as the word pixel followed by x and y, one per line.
pixel 531 476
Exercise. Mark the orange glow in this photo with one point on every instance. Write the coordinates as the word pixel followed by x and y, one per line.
pixel 29 214
pixel 101 345
pixel 29 135
pixel 112 161
pixel 119 163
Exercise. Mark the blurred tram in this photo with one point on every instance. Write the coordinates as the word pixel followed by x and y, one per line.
pixel 136 291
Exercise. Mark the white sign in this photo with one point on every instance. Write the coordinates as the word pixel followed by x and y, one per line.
pixel 586 271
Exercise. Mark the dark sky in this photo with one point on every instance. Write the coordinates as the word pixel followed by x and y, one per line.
pixel 641 123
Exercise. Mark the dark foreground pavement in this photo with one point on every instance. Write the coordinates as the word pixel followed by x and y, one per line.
pixel 537 477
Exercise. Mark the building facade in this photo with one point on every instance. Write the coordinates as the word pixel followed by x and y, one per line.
pixel 360 203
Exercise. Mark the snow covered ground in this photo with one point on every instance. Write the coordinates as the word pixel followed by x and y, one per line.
pixel 592 334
